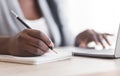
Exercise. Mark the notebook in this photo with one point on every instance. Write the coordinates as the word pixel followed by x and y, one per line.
pixel 48 57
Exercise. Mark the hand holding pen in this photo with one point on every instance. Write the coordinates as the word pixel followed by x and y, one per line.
pixel 35 42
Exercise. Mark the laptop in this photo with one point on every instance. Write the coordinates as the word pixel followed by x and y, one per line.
pixel 104 53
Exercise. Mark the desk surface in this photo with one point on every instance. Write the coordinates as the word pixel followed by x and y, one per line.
pixel 76 66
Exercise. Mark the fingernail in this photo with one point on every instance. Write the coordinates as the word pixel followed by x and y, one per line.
pixel 51 44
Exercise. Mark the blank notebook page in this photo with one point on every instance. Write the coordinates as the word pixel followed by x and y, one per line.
pixel 48 57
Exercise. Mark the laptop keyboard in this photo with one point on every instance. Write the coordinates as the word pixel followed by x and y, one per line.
pixel 94 51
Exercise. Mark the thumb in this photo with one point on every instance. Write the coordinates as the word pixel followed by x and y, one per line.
pixel 83 44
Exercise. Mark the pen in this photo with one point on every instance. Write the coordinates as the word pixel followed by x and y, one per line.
pixel 19 19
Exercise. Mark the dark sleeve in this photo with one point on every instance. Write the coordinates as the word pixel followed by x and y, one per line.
pixel 55 13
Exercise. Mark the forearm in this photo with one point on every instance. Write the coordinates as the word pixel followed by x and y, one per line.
pixel 4 41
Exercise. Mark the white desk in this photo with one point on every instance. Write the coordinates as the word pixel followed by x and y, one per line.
pixel 77 66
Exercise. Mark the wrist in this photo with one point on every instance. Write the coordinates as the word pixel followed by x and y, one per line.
pixel 4 45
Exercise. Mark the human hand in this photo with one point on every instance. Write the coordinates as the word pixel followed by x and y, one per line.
pixel 87 36
pixel 29 43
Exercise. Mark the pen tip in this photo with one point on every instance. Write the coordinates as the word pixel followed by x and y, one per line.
pixel 51 48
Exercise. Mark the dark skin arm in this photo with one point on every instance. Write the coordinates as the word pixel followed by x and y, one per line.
pixel 4 44
pixel 26 44
pixel 87 36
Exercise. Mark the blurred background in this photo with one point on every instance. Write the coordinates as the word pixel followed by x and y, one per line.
pixel 101 15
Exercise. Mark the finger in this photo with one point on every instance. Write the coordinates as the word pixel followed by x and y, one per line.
pixel 22 53
pixel 28 39
pixel 36 43
pixel 41 45
pixel 41 36
pixel 108 34
pixel 93 35
pixel 33 50
pixel 83 44
pixel 95 39
pixel 105 37
pixel 100 40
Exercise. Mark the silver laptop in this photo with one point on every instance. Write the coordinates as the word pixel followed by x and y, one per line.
pixel 105 53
